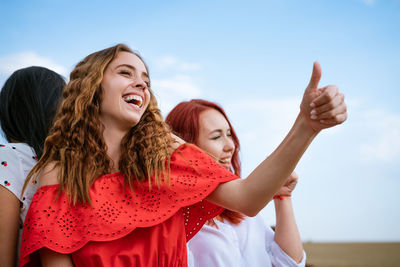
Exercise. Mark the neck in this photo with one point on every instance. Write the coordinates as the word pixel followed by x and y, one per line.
pixel 113 138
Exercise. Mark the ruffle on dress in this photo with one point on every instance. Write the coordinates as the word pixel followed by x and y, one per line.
pixel 117 210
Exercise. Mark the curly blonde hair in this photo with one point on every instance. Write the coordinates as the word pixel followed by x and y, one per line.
pixel 75 142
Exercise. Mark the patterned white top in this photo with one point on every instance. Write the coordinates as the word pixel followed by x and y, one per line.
pixel 251 243
pixel 17 159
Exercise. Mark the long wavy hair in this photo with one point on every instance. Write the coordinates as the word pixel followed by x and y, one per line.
pixel 76 144
pixel 184 122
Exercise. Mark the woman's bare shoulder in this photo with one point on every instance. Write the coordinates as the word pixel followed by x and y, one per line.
pixel 178 141
pixel 49 174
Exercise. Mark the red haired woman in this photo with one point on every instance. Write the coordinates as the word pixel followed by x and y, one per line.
pixel 116 188
pixel 230 239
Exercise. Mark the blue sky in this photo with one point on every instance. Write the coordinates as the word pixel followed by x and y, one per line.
pixel 255 59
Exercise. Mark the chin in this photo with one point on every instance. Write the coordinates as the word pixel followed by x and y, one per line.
pixel 134 120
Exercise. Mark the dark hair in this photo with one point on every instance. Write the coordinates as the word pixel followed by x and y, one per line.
pixel 28 102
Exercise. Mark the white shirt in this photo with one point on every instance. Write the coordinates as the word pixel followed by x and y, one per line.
pixel 17 159
pixel 251 243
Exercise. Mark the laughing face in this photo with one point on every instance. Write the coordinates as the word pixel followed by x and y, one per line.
pixel 215 137
pixel 125 92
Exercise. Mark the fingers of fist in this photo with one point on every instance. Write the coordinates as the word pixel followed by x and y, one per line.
pixel 293 176
pixel 326 95
pixel 329 107
pixel 291 181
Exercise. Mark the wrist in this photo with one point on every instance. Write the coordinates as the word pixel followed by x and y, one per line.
pixel 281 197
pixel 303 125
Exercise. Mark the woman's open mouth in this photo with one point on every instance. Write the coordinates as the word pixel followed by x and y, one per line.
pixel 134 100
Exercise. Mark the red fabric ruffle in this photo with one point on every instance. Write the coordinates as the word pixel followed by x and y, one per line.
pixel 116 210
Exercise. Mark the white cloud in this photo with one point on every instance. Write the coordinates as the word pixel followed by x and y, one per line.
pixel 385 144
pixel 182 85
pixel 173 90
pixel 169 62
pixel 11 63
pixel 269 116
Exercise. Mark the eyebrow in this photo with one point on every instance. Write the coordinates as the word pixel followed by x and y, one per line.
pixel 216 131
pixel 132 68
pixel 219 131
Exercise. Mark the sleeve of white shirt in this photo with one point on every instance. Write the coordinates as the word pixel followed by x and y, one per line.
pixel 278 257
pixel 11 176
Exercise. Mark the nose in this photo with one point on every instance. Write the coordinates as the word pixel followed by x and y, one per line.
pixel 138 81
pixel 140 84
pixel 229 146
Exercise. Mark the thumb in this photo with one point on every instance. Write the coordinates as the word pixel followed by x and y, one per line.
pixel 316 76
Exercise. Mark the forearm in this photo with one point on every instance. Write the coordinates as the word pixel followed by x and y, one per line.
pixel 250 195
pixel 8 244
pixel 253 193
pixel 271 174
pixel 287 235
pixel 9 226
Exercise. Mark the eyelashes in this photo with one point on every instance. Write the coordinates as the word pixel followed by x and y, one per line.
pixel 126 72
pixel 219 136
pixel 130 74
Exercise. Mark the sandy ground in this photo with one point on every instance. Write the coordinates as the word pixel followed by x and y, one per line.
pixel 352 254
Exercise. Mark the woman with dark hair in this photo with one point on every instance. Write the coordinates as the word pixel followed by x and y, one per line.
pixel 116 188
pixel 230 239
pixel 28 103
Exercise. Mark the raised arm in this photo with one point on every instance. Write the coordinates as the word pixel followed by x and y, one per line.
pixel 287 235
pixel 320 108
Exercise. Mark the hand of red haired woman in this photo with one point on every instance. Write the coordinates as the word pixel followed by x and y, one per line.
pixel 289 185
pixel 322 107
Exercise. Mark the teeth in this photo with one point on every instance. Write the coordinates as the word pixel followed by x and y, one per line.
pixel 134 99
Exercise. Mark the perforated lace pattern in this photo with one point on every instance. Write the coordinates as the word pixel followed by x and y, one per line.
pixel 117 210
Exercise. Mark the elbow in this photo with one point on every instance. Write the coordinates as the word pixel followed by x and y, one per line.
pixel 250 212
pixel 253 214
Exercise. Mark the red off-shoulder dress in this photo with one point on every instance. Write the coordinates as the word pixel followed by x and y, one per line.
pixel 143 227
